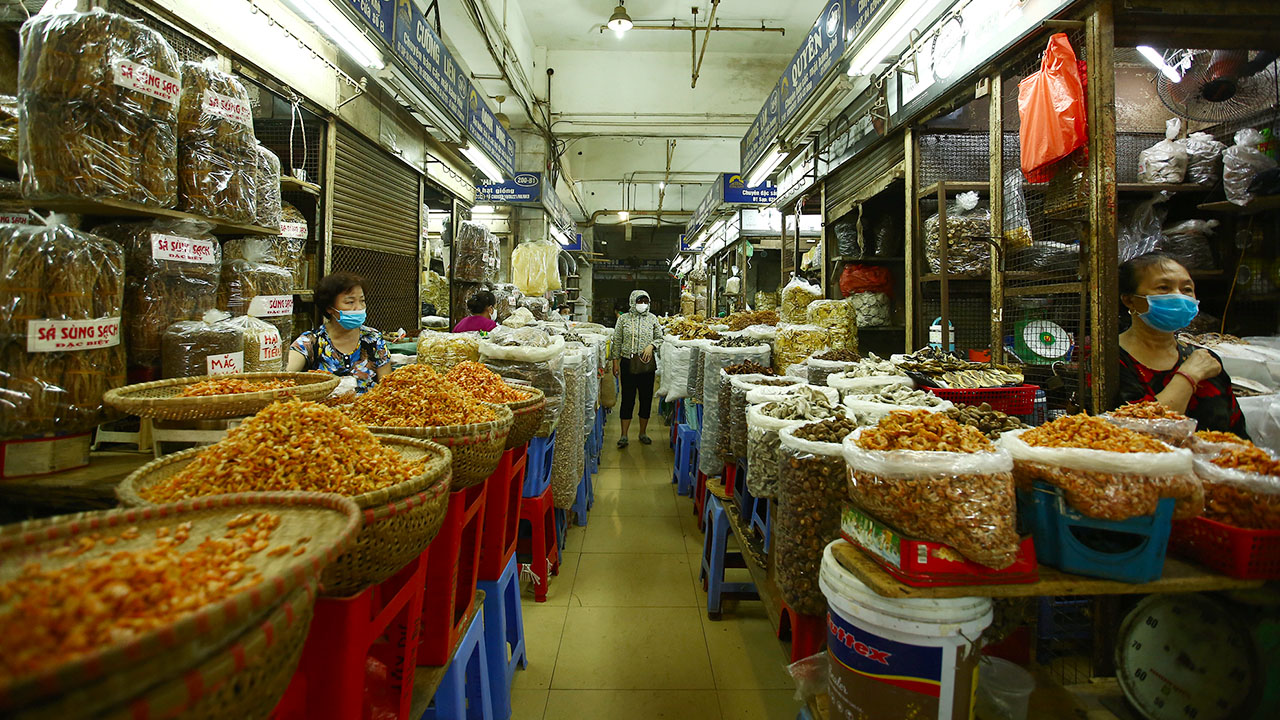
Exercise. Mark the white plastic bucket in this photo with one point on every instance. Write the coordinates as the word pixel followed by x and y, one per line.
pixel 897 658
pixel 1004 689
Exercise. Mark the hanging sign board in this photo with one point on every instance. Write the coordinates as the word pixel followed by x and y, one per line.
pixel 380 14
pixel 762 133
pixel 558 213
pixel 524 188
pixel 821 51
pixel 420 49
pixel 736 192
pixel 575 243
pixel 485 130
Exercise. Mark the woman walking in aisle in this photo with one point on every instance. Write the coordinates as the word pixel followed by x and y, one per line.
pixel 636 338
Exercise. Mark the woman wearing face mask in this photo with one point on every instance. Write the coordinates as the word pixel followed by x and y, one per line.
pixel 1161 299
pixel 342 345
pixel 636 337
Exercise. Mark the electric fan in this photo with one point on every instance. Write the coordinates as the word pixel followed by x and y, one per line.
pixel 1219 85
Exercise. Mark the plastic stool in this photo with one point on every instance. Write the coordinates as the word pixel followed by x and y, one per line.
pixel 686 466
pixel 503 636
pixel 464 690
pixel 503 491
pixel 538 513
pixel 700 501
pixel 808 633
pixel 716 558
pixel 761 520
pixel 537 470
pixel 581 500
pixel 453 569
pixel 742 497
pixel 562 528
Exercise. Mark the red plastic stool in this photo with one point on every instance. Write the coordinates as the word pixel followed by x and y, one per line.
pixel 700 501
pixel 504 489
pixel 350 636
pixel 808 633
pixel 452 571
pixel 543 545
pixel 730 479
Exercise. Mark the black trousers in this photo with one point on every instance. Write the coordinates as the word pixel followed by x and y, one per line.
pixel 633 384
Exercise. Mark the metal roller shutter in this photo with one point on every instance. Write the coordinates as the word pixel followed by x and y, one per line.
pixel 376 202
pixel 863 177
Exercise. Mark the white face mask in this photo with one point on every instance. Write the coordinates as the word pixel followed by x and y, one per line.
pixel 642 308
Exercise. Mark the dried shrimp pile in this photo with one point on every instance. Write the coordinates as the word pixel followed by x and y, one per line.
pixel 1083 431
pixel 1150 410
pixel 233 386
pixel 483 383
pixel 417 396
pixel 921 430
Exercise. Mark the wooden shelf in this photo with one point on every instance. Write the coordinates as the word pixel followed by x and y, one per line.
pixel 952 187
pixel 1255 206
pixel 843 259
pixel 1140 187
pixel 124 208
pixel 92 487
pixel 1179 576
pixel 288 183
pixel 305 295
pixel 956 277
pixel 881 328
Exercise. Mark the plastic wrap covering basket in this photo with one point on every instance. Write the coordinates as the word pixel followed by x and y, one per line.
pixel 716 359
pixel 527 416
pixel 476 447
pixel 160 399
pixel 567 464
pixel 108 681
pixel 399 521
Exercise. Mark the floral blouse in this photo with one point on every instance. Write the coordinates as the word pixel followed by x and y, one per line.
pixel 361 364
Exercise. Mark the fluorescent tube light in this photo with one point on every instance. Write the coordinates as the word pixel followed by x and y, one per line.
pixel 1154 57
pixel 766 168
pixel 482 210
pixel 482 163
pixel 340 31
pixel 894 30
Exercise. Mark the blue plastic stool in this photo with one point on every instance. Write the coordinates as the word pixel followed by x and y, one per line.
pixel 581 502
pixel 562 526
pixel 537 470
pixel 761 520
pixel 686 463
pixel 503 636
pixel 464 690
pixel 716 558
pixel 741 495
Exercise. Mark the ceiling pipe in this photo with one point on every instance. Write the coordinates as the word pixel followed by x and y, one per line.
pixel 697 67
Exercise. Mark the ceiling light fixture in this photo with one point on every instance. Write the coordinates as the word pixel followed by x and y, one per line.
pixel 766 168
pixel 904 19
pixel 1154 57
pixel 482 163
pixel 339 30
pixel 620 21
pixel 623 215
pixel 482 210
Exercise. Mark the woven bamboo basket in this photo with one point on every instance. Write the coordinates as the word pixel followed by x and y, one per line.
pixel 399 521
pixel 159 399
pixel 93 683
pixel 527 416
pixel 477 448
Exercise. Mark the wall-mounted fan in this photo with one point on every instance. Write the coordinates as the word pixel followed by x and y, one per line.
pixel 1219 85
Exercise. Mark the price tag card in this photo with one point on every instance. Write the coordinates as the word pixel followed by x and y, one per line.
pixel 293 230
pixel 271 347
pixel 71 335
pixel 172 247
pixel 138 77
pixel 225 364
pixel 15 219
pixel 228 108
pixel 271 305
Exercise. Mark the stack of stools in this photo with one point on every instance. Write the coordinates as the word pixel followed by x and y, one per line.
pixel 537 513
pixel 463 689
pixel 453 569
pixel 716 557
pixel 808 633
pixel 686 467
pixel 500 580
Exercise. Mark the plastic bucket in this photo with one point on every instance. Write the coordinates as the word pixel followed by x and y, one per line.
pixel 897 658
pixel 1004 689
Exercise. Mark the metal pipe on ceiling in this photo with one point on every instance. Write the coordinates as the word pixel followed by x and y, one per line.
pixel 715 5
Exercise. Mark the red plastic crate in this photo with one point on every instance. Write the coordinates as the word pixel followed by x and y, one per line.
pixel 1014 400
pixel 1240 553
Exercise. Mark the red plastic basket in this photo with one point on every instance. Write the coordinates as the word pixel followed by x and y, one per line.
pixel 1240 553
pixel 1014 400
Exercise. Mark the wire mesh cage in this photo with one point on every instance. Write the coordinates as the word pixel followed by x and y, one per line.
pixel 954 156
pixel 969 314
pixel 391 284
pixel 187 47
pixel 1064 638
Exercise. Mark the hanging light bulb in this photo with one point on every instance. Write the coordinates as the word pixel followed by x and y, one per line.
pixel 620 21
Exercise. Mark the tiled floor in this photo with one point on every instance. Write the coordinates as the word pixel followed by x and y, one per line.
pixel 624 633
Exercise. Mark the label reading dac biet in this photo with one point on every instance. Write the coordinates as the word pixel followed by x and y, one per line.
pixel 293 230
pixel 171 247
pixel 71 335
pixel 271 305
pixel 145 80
pixel 228 108
pixel 225 364
pixel 270 349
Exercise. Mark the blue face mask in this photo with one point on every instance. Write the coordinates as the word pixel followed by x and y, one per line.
pixel 1170 312
pixel 351 319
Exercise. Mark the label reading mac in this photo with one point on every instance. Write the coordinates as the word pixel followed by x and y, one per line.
pixel 271 305
pixel 180 249
pixel 293 230
pixel 270 349
pixel 228 108
pixel 71 335
pixel 138 77
pixel 225 364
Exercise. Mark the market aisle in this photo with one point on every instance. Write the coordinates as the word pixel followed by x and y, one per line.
pixel 624 633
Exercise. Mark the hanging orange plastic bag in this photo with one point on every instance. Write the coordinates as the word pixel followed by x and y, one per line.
pixel 1051 107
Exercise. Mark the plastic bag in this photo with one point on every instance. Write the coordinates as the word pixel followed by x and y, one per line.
pixel 677 359
pixel 54 273
pixel 172 271
pixel 739 387
pixel 1017 226
pixel 850 385
pixel 715 359
pixel 530 267
pixel 275 250
pixel 796 297
pixel 886 241
pixel 764 301
pixel 267 210
pixel 839 319
pixel 1188 243
pixel 1204 158
pixel 869 408
pixel 209 346
pixel 865 279
pixel 964 500
pixel 810 676
pixel 84 134
pixel 811 496
pixel 1242 499
pixel 539 307
pixel 848 240
pixel 1167 430
pixel 435 290
pixel 217 153
pixel 965 223
pixel 567 458
pixel 1142 233
pixel 259 289
pixel 530 356
pixel 1108 485
pixel 872 309
pixel 1241 163
pixel 1051 108
pixel 695 382
pixel 1166 161
pixel 475 253
pixel 443 350
pixel 507 298
pixel 263 346
pixel 608 391
pixel 9 129
pixel 795 344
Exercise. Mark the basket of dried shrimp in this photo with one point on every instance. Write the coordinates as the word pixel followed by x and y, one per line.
pixel 208 397
pixel 527 403
pixel 400 484
pixel 111 611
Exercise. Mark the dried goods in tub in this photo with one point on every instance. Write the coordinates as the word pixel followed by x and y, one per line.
pixel 1107 472
pixel 1241 487
pixel 417 396
pixel 931 477
pixel 1154 419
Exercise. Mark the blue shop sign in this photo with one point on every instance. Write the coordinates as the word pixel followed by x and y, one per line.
pixel 380 14
pixel 736 191
pixel 821 51
pixel 763 131
pixel 418 46
pixel 522 188
pixel 484 129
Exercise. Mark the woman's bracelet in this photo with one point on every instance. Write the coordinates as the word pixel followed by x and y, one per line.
pixel 1188 378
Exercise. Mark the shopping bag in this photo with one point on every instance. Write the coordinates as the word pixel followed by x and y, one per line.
pixel 1051 108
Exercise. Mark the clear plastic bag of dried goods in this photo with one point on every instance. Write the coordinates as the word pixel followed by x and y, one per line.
pixel 1188 243
pixel 1017 225
pixel 540 366
pixel 677 358
pixel 435 290
pixel 711 461
pixel 695 383
pixel 1109 485
pixel 839 319
pixel 209 346
pixel 848 238
pixel 811 494
pixel 869 408
pixel 217 152
pixel 267 212
pixel 795 343
pixel 530 269
pixel 770 409
pixel 739 387
pixel 262 290
pixel 263 346
pixel 9 129
pixel 98 101
pixel 475 252
pixel 1204 158
pixel 1166 161
pixel 1238 497
pixel 443 350
pixel 1175 432
pixel 796 297
pixel 51 273
pixel 766 301
pixel 1241 163
pixel 966 224
pixel 567 460
pixel 964 500
pixel 275 250
pixel 1142 232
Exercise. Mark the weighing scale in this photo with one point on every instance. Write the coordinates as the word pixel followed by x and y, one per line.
pixel 1041 342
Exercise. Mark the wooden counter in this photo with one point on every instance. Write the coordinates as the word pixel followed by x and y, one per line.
pixel 92 487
